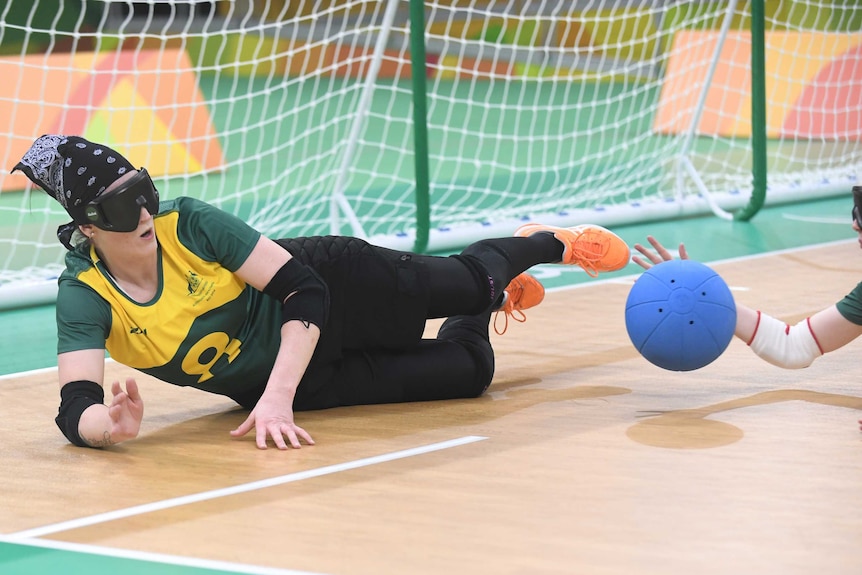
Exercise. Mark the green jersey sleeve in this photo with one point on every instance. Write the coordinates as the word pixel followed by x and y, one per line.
pixel 213 234
pixel 83 317
pixel 851 306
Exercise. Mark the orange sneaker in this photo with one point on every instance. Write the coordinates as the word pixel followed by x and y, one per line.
pixel 522 293
pixel 594 248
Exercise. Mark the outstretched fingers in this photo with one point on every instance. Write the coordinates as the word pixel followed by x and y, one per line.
pixel 132 390
pixel 277 430
pixel 297 434
pixel 661 253
pixel 126 410
pixel 131 396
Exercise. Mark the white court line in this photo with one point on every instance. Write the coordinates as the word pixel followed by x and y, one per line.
pixel 28 373
pixel 41 370
pixel 244 488
pixel 159 558
pixel 816 219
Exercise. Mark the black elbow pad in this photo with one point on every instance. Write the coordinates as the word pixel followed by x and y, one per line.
pixel 309 301
pixel 75 397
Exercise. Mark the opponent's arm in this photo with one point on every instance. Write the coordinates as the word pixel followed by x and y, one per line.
pixel 786 346
pixel 271 269
pixel 83 417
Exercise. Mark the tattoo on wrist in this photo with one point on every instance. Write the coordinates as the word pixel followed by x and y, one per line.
pixel 105 441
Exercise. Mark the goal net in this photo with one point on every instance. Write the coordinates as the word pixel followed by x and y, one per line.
pixel 301 117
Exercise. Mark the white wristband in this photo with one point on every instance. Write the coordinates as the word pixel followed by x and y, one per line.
pixel 782 345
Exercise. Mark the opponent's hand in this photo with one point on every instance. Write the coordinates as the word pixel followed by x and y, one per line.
pixel 661 254
pixel 273 417
pixel 126 411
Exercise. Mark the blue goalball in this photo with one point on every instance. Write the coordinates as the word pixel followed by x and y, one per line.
pixel 680 315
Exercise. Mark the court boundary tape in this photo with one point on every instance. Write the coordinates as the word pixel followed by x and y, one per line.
pixel 23 536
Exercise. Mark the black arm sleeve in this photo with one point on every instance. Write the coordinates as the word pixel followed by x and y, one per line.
pixel 75 397
pixel 310 300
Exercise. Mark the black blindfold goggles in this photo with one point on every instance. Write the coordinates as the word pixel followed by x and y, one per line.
pixel 120 209
pixel 857 205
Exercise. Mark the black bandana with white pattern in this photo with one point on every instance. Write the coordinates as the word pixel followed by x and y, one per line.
pixel 74 171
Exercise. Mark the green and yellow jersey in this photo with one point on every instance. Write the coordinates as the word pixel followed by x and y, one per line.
pixel 204 328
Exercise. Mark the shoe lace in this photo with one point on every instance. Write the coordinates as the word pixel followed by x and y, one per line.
pixel 584 256
pixel 507 312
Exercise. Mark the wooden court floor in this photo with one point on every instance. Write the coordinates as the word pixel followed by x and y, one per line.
pixel 583 458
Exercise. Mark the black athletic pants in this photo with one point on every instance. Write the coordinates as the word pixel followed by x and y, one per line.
pixel 371 349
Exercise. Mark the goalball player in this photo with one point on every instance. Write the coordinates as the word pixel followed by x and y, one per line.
pixel 193 296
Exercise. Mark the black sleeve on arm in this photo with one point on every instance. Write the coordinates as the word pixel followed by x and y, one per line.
pixel 75 397
pixel 310 300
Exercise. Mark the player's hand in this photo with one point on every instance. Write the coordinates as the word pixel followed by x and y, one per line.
pixel 661 254
pixel 126 411
pixel 273 417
